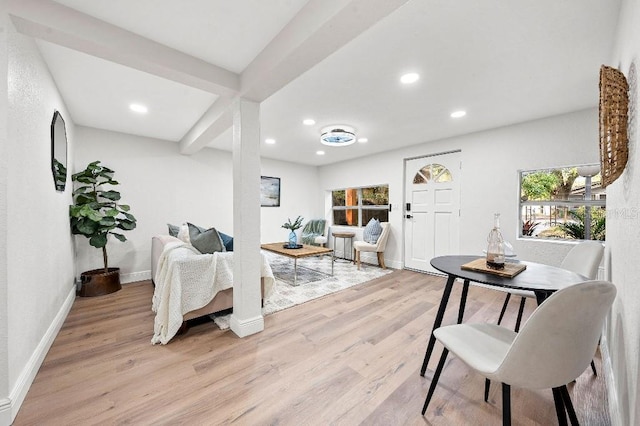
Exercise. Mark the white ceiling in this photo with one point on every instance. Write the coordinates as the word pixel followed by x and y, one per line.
pixel 336 61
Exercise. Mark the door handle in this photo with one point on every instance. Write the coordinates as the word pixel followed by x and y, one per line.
pixel 409 216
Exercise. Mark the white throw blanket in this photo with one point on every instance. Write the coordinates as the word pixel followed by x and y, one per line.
pixel 187 280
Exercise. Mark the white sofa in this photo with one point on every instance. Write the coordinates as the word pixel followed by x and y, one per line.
pixel 184 256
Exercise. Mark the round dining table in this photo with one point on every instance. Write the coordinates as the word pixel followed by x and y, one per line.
pixel 541 279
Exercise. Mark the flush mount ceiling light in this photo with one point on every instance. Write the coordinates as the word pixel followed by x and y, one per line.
pixel 363 140
pixel 338 135
pixel 458 114
pixel 309 122
pixel 270 141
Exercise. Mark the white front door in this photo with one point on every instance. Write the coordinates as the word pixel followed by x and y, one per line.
pixel 432 209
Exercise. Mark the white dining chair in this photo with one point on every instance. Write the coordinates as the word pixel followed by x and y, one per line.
pixel 553 348
pixel 584 259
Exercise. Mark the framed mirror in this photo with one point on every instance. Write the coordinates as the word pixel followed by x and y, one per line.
pixel 58 151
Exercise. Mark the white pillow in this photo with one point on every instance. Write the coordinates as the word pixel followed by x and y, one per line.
pixel 183 234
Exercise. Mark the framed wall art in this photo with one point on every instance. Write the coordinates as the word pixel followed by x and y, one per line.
pixel 269 191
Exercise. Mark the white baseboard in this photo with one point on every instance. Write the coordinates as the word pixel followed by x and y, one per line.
pixel 28 374
pixel 372 258
pixel 5 411
pixel 135 276
pixel 246 327
pixel 609 378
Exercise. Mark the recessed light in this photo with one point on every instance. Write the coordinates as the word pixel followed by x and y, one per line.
pixel 319 152
pixel 270 141
pixel 409 78
pixel 309 122
pixel 139 108
pixel 458 114
pixel 363 140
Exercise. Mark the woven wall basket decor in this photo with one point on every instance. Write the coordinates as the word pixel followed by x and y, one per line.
pixel 614 101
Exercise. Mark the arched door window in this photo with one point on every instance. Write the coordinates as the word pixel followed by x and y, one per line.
pixel 436 173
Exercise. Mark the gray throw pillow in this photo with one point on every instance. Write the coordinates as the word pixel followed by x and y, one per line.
pixel 205 241
pixel 173 230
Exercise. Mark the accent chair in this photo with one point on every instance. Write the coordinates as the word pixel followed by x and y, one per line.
pixel 378 247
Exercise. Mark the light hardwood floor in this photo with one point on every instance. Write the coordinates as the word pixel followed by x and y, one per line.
pixel 347 359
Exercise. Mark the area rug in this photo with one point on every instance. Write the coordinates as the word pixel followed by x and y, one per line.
pixel 314 280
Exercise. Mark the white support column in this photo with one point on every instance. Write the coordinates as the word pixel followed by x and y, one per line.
pixel 247 313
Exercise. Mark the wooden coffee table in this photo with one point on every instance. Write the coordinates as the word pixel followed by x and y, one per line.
pixel 297 253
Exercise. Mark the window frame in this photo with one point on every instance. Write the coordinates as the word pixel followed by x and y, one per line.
pixel 359 207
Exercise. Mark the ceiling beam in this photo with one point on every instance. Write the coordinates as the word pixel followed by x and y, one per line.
pixel 50 21
pixel 320 28
pixel 212 124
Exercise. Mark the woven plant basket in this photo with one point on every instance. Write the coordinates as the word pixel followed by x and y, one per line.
pixel 614 101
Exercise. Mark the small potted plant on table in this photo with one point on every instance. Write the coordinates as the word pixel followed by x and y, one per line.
pixel 96 214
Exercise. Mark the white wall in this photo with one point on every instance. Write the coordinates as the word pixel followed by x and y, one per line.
pixel 622 336
pixel 5 390
pixel 491 160
pixel 39 249
pixel 162 186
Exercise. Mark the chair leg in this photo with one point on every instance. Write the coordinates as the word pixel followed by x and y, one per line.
pixel 434 381
pixel 504 307
pixel 520 312
pixel 381 260
pixel 593 368
pixel 358 258
pixel 569 405
pixel 560 410
pixel 506 405
pixel 487 386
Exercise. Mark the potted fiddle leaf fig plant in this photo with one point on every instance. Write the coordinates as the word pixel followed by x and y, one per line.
pixel 96 214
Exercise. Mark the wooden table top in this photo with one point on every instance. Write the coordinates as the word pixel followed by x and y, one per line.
pixel 305 251
pixel 344 234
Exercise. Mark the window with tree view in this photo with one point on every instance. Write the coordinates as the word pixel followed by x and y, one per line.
pixel 566 203
pixel 356 206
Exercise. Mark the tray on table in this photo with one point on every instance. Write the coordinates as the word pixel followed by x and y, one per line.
pixel 511 269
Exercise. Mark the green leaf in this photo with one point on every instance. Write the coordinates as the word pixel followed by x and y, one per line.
pixel 127 225
pixel 98 241
pixel 124 207
pixel 111 195
pixel 112 212
pixel 87 227
pixel 119 236
pixel 108 221
pixel 81 190
pixel 84 179
pixel 75 211
pixel 129 216
pixel 85 198
pixel 94 215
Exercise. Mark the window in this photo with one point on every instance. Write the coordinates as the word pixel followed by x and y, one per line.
pixel 356 206
pixel 432 172
pixel 566 203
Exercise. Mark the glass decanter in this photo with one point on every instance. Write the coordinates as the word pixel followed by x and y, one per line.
pixel 495 247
